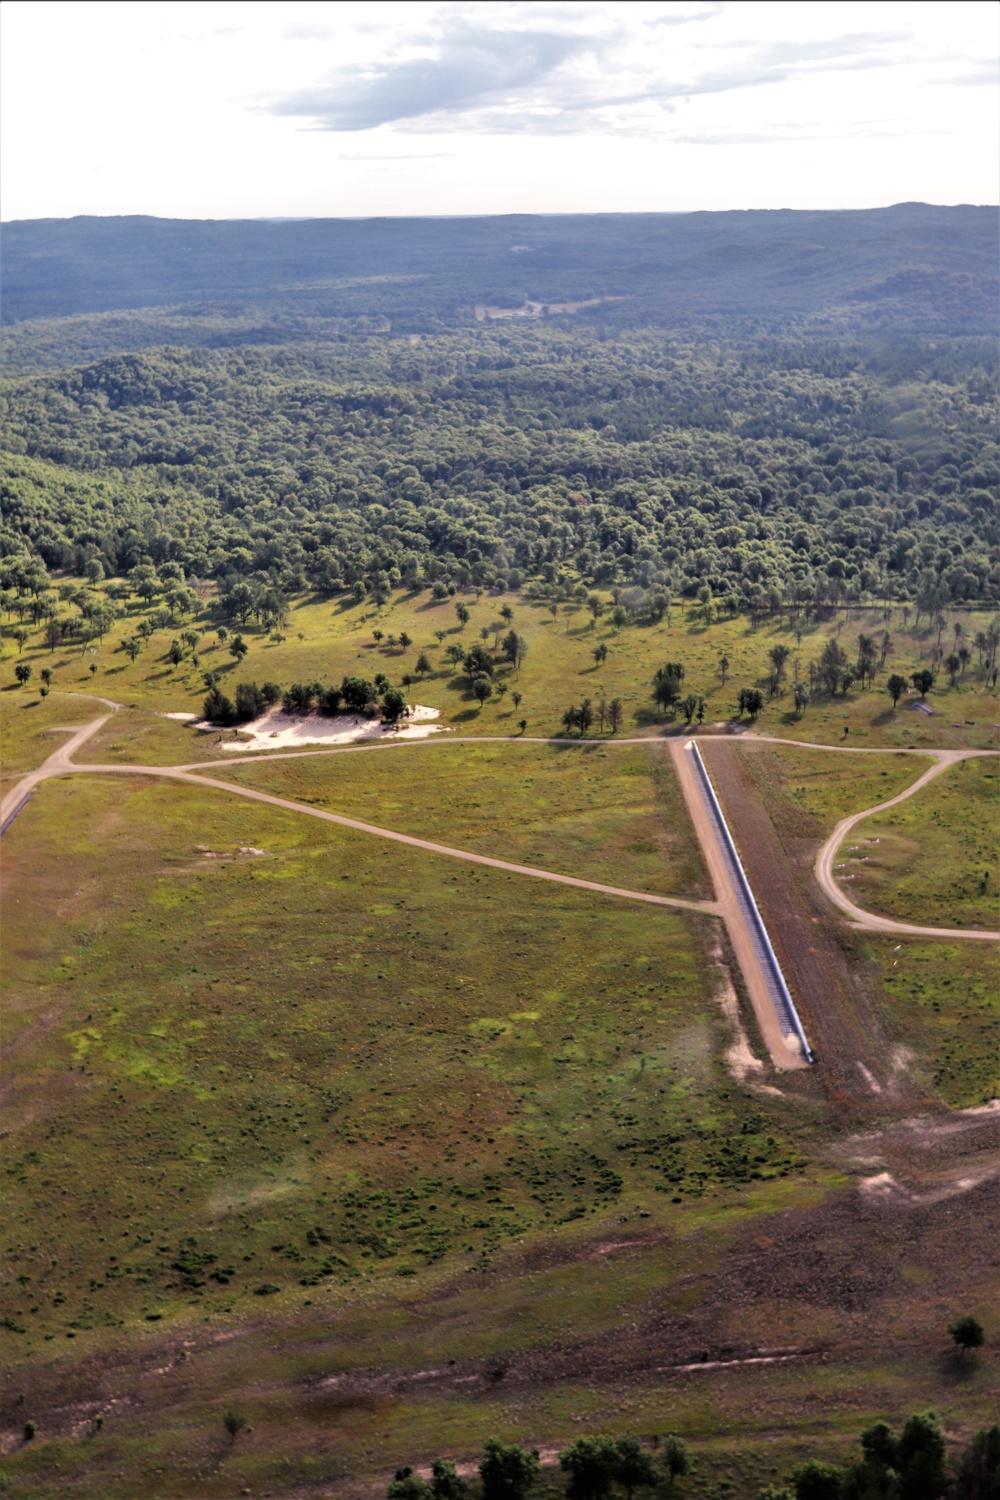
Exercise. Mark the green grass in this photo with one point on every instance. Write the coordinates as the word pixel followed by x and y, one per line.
pixel 417 1063
pixel 27 721
pixel 808 792
pixel 943 1002
pixel 611 813
pixel 934 859
pixel 327 639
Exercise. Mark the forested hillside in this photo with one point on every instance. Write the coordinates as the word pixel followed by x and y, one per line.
pixel 800 405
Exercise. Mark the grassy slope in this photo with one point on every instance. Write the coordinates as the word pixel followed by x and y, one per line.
pixel 608 813
pixel 936 857
pixel 28 722
pixel 260 1010
pixel 325 640
pixel 943 1003
pixel 425 1063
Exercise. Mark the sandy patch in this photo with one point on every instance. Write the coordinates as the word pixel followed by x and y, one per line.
pixel 277 730
pixel 182 718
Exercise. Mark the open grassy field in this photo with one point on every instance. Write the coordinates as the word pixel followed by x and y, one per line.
pixel 611 813
pixel 345 1061
pixel 27 722
pixel 942 1001
pixel 808 792
pixel 325 640
pixel 390 1153
pixel 936 857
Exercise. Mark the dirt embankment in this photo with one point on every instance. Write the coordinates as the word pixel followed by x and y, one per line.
pixel 861 1070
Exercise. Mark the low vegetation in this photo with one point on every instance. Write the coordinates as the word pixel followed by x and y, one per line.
pixel 934 859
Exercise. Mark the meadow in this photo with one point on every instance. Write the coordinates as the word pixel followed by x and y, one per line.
pixel 611 813
pixel 934 858
pixel 390 1152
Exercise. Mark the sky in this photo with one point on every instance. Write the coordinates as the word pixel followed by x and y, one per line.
pixel 248 109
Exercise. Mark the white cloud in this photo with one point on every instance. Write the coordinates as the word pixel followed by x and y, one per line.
pixel 216 108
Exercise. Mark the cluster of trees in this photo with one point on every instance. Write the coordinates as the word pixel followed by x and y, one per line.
pixel 354 695
pixel 581 718
pixel 491 457
pixel 594 1466
pixel 908 1466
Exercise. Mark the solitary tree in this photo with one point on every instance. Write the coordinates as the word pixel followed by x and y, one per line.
pixel 953 662
pixel 175 655
pixel 675 1458
pixel 600 654
pixel 393 705
pixel 923 681
pixel 455 654
pixel 408 1486
pixel 895 687
pixel 507 1471
pixel 801 696
pixel 966 1333
pixel 590 1463
pixel 616 714
pixel 23 672
pixel 423 664
pixel 723 668
pixel 634 1467
pixel 482 688
pixel 779 655
pixel 689 706
pixel 405 641
pixel 234 1423
pixel 516 697
pixel 462 612
pixel 584 716
pixel 238 647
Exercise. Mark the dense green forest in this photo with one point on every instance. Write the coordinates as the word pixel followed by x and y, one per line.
pixel 841 448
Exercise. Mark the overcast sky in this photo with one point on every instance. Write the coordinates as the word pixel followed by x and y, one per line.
pixel 219 109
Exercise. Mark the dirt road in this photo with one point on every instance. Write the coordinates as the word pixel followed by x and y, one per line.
pixel 785 1050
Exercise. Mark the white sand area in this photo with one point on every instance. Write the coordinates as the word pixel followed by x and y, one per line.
pixel 276 730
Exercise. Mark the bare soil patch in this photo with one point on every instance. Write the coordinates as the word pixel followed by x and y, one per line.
pixel 823 964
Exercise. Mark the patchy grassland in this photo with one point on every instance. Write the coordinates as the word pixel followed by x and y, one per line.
pixel 329 1063
pixel 327 639
pixel 935 858
pixel 27 723
pixel 943 1003
pixel 807 792
pixel 612 813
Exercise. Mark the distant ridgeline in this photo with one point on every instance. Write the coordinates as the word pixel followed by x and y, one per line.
pixel 791 404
